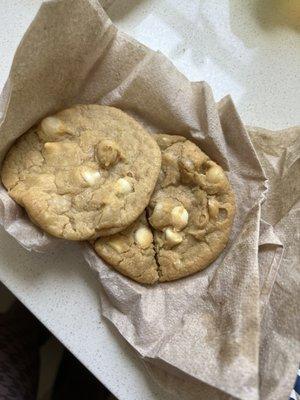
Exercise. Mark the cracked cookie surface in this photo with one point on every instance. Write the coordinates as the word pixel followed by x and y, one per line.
pixel 190 213
pixel 85 172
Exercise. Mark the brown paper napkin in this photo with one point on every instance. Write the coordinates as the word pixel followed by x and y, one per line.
pixel 206 327
pixel 279 153
pixel 279 273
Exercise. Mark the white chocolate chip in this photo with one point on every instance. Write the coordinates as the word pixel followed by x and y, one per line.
pixel 124 186
pixel 143 237
pixel 52 128
pixel 118 244
pixel 91 176
pixel 51 125
pixel 180 217
pixel 215 174
pixel 160 217
pixel 172 238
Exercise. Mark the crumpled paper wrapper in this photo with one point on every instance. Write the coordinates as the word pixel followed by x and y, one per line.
pixel 279 276
pixel 279 153
pixel 216 332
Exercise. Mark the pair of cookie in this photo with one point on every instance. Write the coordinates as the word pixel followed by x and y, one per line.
pixel 186 224
pixel 155 207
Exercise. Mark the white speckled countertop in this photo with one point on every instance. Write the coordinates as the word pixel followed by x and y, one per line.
pixel 248 48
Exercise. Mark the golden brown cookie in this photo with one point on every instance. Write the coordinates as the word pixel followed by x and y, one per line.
pixel 191 210
pixel 85 172
pixel 190 213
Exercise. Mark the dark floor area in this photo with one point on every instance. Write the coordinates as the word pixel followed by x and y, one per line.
pixel 34 365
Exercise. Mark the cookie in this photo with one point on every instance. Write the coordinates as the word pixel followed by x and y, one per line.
pixel 191 210
pixel 131 251
pixel 190 213
pixel 85 172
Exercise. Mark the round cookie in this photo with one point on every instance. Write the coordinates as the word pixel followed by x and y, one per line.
pixel 85 172
pixel 131 252
pixel 191 210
